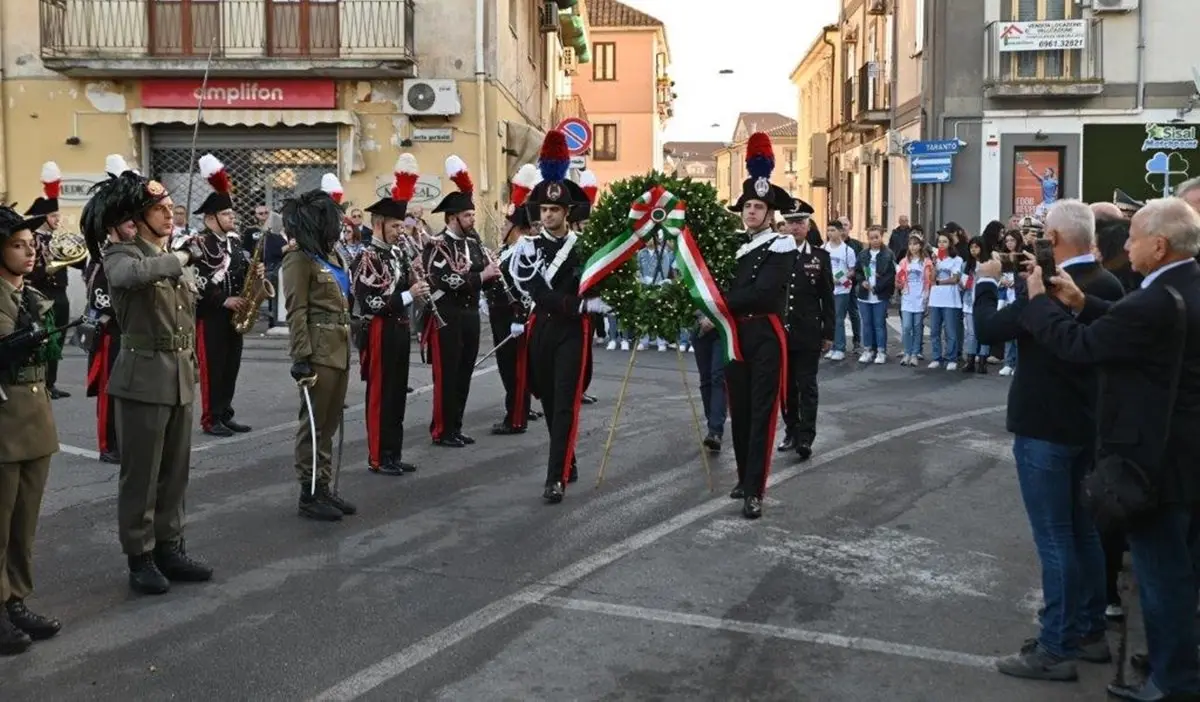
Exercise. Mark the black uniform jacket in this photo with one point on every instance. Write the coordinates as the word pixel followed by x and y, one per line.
pixel 221 272
pixel 554 287
pixel 764 267
pixel 497 299
pixel 453 264
pixel 810 299
pixel 381 281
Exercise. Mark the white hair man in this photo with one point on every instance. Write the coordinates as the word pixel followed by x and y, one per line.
pixel 1147 349
pixel 1050 413
pixel 1189 191
pixel 1107 210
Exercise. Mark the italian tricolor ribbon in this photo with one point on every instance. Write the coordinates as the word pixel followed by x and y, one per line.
pixel 659 210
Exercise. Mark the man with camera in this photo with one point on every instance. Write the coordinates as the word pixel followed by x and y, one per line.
pixel 1051 417
pixel 1146 350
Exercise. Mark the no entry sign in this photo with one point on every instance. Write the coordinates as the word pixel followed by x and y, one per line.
pixel 578 133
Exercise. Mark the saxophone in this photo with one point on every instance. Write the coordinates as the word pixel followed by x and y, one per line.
pixel 255 290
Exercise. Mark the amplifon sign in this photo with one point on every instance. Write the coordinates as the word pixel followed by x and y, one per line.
pixel 240 94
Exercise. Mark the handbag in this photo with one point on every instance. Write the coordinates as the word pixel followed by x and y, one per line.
pixel 1119 492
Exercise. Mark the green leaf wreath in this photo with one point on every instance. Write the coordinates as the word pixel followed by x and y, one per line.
pixel 659 310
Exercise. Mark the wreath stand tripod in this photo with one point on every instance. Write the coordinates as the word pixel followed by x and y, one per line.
pixel 612 430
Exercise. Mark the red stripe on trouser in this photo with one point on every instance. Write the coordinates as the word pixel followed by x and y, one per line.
pixel 587 346
pixel 205 390
pixel 520 412
pixel 779 395
pixel 374 358
pixel 98 375
pixel 436 429
pixel 525 359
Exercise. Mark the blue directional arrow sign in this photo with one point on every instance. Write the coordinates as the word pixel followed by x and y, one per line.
pixel 925 148
pixel 931 162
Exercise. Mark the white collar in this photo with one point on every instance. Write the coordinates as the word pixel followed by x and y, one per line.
pixel 1076 260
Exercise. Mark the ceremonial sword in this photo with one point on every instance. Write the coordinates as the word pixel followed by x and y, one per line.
pixel 491 353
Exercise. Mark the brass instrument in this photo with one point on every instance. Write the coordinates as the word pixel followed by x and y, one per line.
pixel 255 290
pixel 503 280
pixel 65 249
pixel 418 273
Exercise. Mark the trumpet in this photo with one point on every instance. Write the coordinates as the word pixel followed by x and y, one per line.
pixel 418 273
pixel 503 280
pixel 65 249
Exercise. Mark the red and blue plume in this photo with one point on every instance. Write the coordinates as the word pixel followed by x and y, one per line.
pixel 554 160
pixel 760 157
pixel 213 171
pixel 405 177
pixel 456 171
pixel 51 180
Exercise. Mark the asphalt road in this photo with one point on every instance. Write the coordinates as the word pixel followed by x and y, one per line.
pixel 893 566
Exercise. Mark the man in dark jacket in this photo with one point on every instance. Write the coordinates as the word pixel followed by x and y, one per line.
pixel 1149 363
pixel 898 242
pixel 1050 413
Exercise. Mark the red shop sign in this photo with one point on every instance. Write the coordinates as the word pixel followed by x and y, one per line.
pixel 240 93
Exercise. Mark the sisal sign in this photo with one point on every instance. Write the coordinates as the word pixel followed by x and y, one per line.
pixel 239 93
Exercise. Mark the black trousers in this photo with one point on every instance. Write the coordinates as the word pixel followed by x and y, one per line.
pixel 219 355
pixel 755 387
pixel 800 404
pixel 452 350
pixel 512 361
pixel 384 362
pixel 558 356
pixel 100 363
pixel 62 315
pixel 1114 546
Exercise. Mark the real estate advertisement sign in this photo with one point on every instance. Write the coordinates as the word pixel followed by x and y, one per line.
pixel 1147 161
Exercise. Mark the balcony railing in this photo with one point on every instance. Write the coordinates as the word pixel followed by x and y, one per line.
pixel 78 35
pixel 567 107
pixel 1073 72
pixel 874 102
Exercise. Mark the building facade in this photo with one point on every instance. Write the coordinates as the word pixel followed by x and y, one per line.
pixel 692 159
pixel 731 160
pixel 628 89
pixel 813 78
pixel 294 90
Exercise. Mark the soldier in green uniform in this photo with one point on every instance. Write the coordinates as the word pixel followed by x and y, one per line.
pixel 153 380
pixel 28 437
pixel 316 286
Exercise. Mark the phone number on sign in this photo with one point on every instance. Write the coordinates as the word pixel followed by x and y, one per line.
pixel 1059 44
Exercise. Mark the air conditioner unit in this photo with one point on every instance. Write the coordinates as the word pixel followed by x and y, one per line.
pixel 433 97
pixel 1114 5
pixel 570 62
pixel 549 18
pixel 877 7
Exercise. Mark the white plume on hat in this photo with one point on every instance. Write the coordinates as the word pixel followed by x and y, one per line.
pixel 51 172
pixel 331 185
pixel 209 165
pixel 528 176
pixel 115 165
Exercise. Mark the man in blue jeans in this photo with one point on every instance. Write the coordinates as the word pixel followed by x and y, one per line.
pixel 1051 413
pixel 706 342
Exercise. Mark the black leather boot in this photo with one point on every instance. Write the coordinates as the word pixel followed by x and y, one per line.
pixel 172 560
pixel 804 450
pixel 553 493
pixel 388 465
pixel 145 577
pixel 113 457
pixel 737 493
pixel 13 641
pixel 788 443
pixel 38 627
pixel 752 507
pixel 312 507
pixel 328 496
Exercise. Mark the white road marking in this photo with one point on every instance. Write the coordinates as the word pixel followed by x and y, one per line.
pixel 393 666
pixel 852 643
pixel 258 433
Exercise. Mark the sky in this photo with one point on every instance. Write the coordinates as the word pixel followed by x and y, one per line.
pixel 762 41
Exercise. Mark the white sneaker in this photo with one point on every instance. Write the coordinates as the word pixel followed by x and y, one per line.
pixel 837 356
pixel 662 347
pixel 624 345
pixel 934 365
pixel 866 357
pixel 612 346
pixel 691 349
pixel 951 366
pixel 1114 612
pixel 1007 370
pixel 829 355
pixel 641 346
pixel 904 360
pixel 683 348
pixel 880 358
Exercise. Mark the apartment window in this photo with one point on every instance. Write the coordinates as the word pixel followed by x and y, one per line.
pixel 514 13
pixel 604 147
pixel 789 156
pixel 660 65
pixel 1035 65
pixel 604 61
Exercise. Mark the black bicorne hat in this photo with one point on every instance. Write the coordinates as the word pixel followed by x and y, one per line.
pixel 404 184
pixel 389 208
pixel 219 199
pixel 460 200
pixel 555 188
pixel 518 216
pixel 760 163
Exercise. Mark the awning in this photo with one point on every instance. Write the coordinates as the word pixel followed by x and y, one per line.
pixel 244 118
pixel 351 158
pixel 522 145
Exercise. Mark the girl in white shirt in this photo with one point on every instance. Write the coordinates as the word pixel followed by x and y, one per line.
pixel 945 305
pixel 841 260
pixel 915 280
